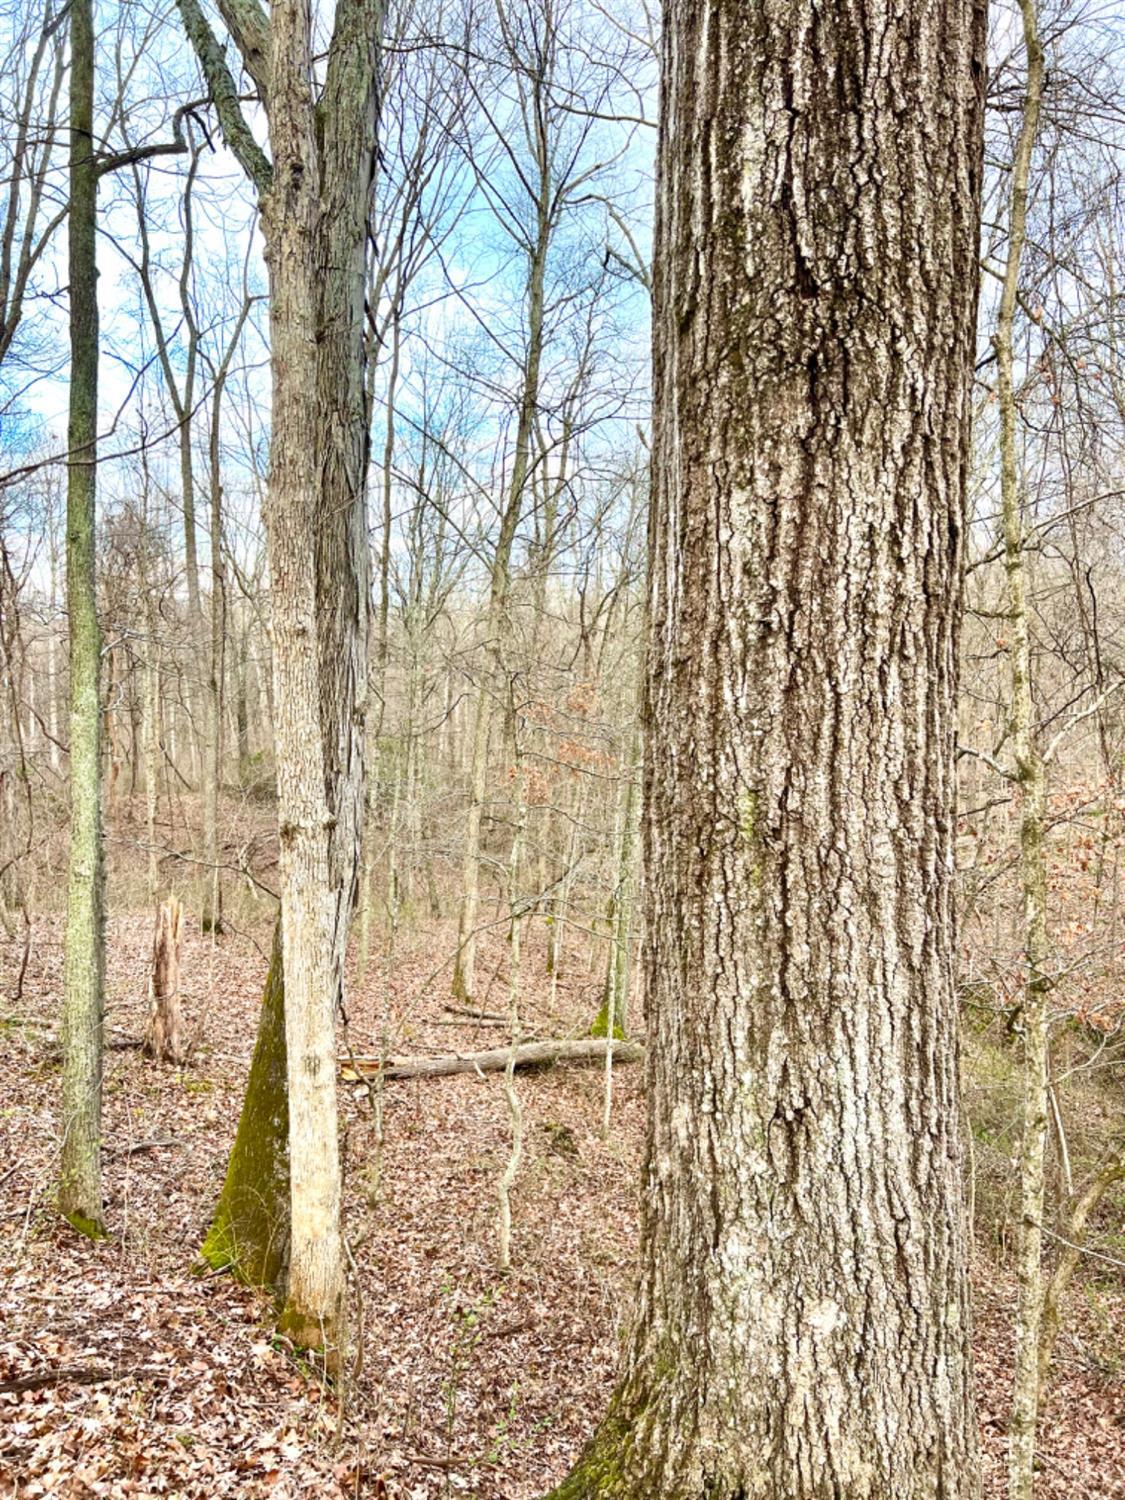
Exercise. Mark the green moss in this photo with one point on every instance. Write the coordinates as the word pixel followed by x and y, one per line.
pixel 249 1234
pixel 749 815
pixel 601 1471
pixel 316 1337
pixel 601 1024
pixel 93 1229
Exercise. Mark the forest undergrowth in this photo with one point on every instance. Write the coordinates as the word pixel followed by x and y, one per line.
pixel 125 1372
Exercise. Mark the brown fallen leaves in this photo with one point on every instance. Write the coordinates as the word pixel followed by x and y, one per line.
pixel 472 1384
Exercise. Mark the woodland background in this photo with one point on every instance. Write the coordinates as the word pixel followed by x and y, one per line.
pixel 512 233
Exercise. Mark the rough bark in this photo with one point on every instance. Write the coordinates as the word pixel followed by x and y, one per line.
pixel 80 1191
pixel 315 220
pixel 803 1325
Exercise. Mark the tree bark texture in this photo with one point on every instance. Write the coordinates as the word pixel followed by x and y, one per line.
pixel 802 1331
pixel 80 1191
pixel 1031 776
pixel 314 219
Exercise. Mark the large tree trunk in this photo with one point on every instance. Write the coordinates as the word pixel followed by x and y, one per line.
pixel 803 1322
pixel 80 1190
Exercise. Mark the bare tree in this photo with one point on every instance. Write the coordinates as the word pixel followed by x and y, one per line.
pixel 80 1187
pixel 314 202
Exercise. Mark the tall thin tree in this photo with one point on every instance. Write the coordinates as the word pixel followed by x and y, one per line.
pixel 80 1185
pixel 314 198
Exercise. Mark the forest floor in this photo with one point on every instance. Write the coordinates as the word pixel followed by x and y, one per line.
pixel 472 1383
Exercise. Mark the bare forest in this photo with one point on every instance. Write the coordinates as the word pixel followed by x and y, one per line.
pixel 562 749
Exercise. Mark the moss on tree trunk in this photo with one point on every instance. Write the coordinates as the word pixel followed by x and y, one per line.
pixel 250 1231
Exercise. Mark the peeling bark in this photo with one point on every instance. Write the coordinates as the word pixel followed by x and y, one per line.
pixel 314 212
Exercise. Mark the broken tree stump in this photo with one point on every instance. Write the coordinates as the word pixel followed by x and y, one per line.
pixel 163 1039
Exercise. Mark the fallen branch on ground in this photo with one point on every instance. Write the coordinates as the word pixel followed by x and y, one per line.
pixel 530 1055
pixel 76 1375
pixel 152 1145
pixel 475 1015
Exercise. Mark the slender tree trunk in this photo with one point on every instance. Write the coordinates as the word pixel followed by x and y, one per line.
pixel 511 1093
pixel 242 706
pixel 464 968
pixel 626 828
pixel 626 881
pixel 212 919
pixel 314 202
pixel 1032 779
pixel 803 1321
pixel 1110 1170
pixel 53 723
pixel 151 731
pixel 80 1186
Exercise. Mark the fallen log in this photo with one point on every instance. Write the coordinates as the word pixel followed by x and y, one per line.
pixel 528 1055
pixel 77 1375
pixel 475 1015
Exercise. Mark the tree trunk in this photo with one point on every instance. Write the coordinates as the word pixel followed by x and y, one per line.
pixel 511 1094
pixel 1031 775
pixel 314 203
pixel 242 706
pixel 80 1189
pixel 165 1040
pixel 212 916
pixel 803 1321
pixel 314 220
pixel 496 621
pixel 1110 1170
pixel 150 726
